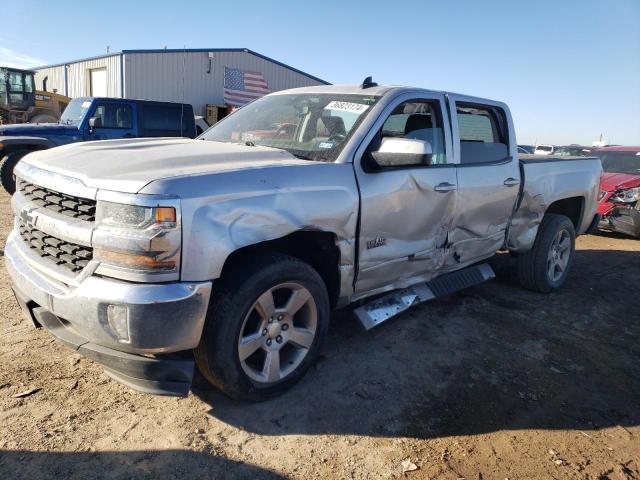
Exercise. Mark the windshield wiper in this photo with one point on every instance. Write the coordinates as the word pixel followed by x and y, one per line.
pixel 301 157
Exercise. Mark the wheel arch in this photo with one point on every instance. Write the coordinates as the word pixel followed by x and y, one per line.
pixel 528 216
pixel 11 144
pixel 315 247
pixel 571 207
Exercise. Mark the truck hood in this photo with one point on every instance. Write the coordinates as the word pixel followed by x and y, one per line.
pixel 611 182
pixel 37 129
pixel 129 165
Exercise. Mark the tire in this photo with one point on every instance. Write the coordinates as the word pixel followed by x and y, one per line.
pixel 540 268
pixel 7 166
pixel 239 309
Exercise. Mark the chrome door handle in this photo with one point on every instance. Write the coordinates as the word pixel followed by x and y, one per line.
pixel 512 182
pixel 444 187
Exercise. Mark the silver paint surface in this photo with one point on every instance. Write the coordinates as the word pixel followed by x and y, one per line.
pixel 547 182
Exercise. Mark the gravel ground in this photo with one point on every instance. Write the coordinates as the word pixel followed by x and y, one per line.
pixel 493 382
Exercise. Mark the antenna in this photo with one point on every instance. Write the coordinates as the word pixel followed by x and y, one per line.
pixel 184 61
pixel 368 82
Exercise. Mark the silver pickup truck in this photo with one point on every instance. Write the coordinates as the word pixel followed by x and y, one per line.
pixel 237 245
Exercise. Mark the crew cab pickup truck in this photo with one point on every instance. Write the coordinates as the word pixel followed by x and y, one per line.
pixel 92 118
pixel 236 245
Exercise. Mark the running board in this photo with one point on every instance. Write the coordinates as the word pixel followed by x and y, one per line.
pixel 383 308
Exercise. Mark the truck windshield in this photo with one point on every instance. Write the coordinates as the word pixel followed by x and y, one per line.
pixel 75 111
pixel 309 126
pixel 620 162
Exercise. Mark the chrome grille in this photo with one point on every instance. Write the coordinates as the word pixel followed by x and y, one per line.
pixel 72 256
pixel 76 207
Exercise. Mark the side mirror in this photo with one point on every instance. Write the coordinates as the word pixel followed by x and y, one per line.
pixel 94 122
pixel 403 152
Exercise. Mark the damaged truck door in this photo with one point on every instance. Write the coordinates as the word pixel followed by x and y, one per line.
pixel 407 201
pixel 488 179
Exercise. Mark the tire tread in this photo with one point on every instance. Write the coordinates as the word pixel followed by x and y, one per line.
pixel 214 352
pixel 531 268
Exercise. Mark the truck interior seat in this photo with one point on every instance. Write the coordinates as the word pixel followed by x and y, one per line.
pixel 326 127
pixel 333 126
pixel 420 127
pixel 417 121
pixel 123 118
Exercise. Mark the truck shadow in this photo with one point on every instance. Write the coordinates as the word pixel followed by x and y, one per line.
pixel 142 464
pixel 493 357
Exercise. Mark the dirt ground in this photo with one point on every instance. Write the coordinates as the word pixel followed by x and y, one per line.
pixel 492 383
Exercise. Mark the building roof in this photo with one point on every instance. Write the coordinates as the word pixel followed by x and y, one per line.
pixel 190 50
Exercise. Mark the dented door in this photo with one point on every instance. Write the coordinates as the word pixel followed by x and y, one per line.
pixel 488 179
pixel 406 212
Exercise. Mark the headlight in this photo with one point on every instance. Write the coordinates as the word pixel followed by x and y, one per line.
pixel 139 242
pixel 626 196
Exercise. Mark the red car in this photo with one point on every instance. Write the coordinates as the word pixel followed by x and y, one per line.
pixel 620 190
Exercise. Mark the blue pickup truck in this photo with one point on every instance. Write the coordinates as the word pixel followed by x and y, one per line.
pixel 92 118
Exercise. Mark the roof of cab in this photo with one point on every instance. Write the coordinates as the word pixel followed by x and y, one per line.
pixel 377 90
pixel 129 100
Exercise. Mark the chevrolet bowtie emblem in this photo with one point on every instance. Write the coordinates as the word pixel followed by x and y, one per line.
pixel 25 216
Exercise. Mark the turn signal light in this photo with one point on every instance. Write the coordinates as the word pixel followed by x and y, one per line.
pixel 132 260
pixel 165 214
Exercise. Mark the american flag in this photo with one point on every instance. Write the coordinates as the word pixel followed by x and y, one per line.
pixel 241 87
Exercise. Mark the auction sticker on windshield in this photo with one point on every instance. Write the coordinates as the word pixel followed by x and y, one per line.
pixel 347 107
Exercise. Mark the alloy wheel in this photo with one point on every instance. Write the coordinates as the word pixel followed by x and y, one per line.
pixel 558 257
pixel 277 332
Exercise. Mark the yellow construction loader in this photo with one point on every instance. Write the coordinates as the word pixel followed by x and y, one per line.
pixel 20 102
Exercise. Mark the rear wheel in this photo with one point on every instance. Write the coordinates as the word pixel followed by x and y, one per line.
pixel 264 327
pixel 546 266
pixel 7 166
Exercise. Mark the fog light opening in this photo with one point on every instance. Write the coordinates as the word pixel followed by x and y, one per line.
pixel 118 317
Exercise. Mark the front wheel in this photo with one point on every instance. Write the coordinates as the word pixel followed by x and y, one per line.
pixel 545 267
pixel 264 327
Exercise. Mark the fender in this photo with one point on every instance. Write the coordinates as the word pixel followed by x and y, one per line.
pixel 550 182
pixel 10 143
pixel 226 211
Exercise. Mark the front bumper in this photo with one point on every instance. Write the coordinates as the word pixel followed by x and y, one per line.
pixel 622 219
pixel 158 319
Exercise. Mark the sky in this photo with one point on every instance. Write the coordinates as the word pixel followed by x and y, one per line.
pixel 568 69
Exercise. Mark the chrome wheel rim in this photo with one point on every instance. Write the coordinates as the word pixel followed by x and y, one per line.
pixel 558 257
pixel 277 332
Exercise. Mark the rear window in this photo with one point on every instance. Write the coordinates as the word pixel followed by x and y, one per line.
pixel 161 118
pixel 483 133
pixel 475 127
pixel 620 162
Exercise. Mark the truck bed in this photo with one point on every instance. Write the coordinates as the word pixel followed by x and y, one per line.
pixel 531 158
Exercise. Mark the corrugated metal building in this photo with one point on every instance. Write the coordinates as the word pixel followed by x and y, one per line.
pixel 194 76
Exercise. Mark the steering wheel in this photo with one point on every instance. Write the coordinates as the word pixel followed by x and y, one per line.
pixel 337 137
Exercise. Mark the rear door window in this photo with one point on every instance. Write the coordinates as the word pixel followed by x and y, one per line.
pixel 483 133
pixel 162 118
